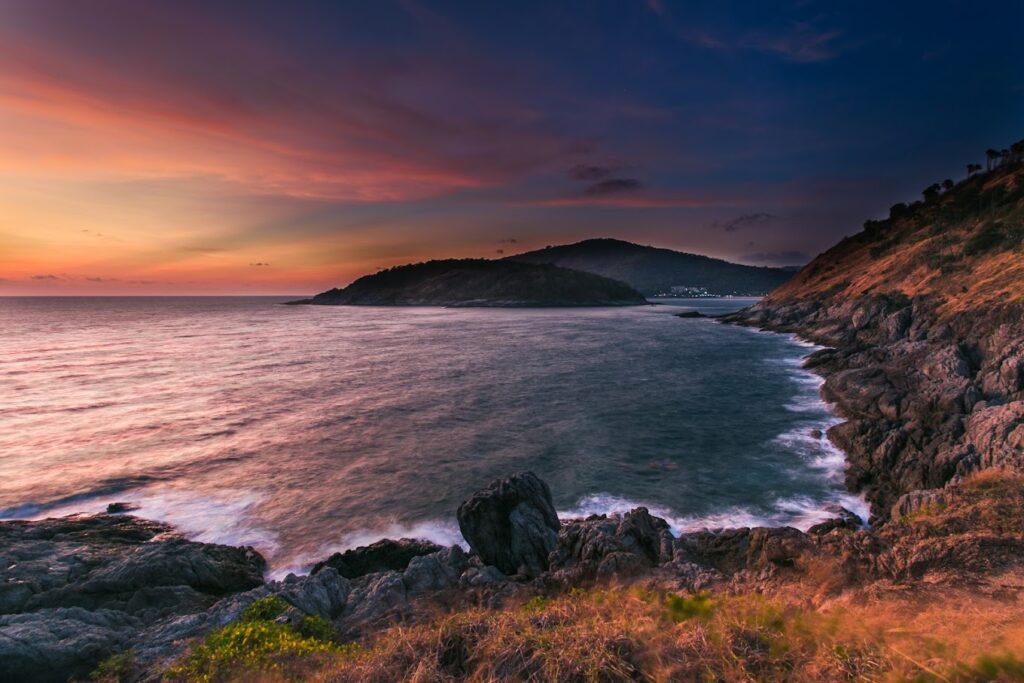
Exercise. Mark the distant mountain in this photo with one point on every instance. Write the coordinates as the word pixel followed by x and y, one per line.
pixel 656 271
pixel 481 282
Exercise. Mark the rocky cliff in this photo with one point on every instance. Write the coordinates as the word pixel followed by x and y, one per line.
pixel 79 591
pixel 923 313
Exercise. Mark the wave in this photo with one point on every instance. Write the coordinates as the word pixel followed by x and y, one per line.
pixel 218 518
pixel 801 512
pixel 441 531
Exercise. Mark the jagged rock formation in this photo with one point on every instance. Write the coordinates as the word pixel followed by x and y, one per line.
pixel 925 316
pixel 75 590
pixel 481 282
pixel 63 613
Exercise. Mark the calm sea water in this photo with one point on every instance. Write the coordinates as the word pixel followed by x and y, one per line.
pixel 303 430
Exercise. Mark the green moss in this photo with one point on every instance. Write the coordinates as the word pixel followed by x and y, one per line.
pixel 318 628
pixel 250 646
pixel 679 608
pixel 255 643
pixel 117 668
pixel 1005 667
pixel 264 609
pixel 536 604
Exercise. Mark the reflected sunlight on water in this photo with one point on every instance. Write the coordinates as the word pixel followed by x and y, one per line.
pixel 305 429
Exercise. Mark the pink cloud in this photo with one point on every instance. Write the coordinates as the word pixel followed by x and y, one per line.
pixel 135 96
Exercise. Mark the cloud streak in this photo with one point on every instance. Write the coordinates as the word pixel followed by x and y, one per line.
pixel 260 120
pixel 747 220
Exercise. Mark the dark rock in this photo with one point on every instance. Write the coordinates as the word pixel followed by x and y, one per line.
pixel 60 644
pixel 690 314
pixel 603 546
pixel 324 594
pixel 384 555
pixel 735 550
pixel 511 524
pixel 435 571
pixel 843 519
pixel 913 502
pixel 78 589
pixel 374 598
pixel 481 576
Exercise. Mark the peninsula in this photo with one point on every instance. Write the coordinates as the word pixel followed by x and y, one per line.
pixel 480 283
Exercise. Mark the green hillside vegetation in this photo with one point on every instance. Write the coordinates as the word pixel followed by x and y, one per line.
pixel 962 243
pixel 652 270
pixel 481 282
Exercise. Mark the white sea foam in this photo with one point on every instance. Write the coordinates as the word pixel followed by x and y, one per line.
pixel 220 517
pixel 442 532
pixel 799 512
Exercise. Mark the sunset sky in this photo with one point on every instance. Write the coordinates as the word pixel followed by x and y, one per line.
pixel 267 147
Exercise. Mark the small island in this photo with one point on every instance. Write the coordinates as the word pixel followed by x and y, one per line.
pixel 481 283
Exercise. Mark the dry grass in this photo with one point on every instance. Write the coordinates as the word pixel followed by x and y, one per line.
pixel 639 635
pixel 932 250
pixel 886 631
pixel 991 501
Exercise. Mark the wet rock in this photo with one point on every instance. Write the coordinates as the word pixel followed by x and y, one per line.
pixel 843 519
pixel 603 546
pixel 511 524
pixel 117 508
pixel 435 571
pixel 374 598
pixel 78 589
pixel 60 644
pixel 384 555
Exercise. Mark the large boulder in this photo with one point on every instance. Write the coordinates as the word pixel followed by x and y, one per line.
pixel 512 524
pixel 384 555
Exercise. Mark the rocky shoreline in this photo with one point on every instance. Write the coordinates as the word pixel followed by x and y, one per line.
pixel 928 400
pixel 77 590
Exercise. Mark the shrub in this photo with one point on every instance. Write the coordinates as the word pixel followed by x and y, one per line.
pixel 682 608
pixel 318 628
pixel 988 238
pixel 255 643
pixel 1005 667
pixel 264 609
pixel 118 668
pixel 249 646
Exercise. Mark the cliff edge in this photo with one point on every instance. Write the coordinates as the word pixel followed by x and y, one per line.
pixel 923 313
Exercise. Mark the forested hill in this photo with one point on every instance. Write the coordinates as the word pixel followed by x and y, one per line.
pixel 653 270
pixel 481 282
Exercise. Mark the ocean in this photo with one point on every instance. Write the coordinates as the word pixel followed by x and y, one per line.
pixel 303 430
